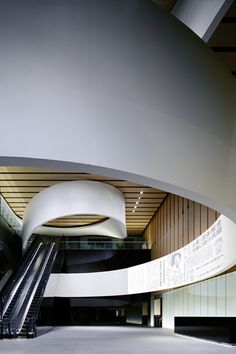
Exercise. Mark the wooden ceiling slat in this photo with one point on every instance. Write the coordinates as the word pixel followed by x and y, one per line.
pixel 21 184
pixel 149 196
pixel 28 183
pixel 142 209
pixel 18 199
pixel 132 197
pixel 143 204
pixel 48 177
pixel 134 216
pixel 137 190
pixel 135 228
pixel 20 189
pixel 150 214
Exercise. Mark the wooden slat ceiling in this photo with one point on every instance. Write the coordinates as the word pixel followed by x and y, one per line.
pixel 18 185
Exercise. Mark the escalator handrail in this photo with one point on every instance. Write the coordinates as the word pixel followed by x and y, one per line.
pixel 29 282
pixel 31 320
pixel 18 322
pixel 7 302
pixel 7 288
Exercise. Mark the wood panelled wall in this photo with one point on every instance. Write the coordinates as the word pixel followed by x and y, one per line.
pixel 177 222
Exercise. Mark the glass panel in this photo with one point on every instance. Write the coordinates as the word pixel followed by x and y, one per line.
pixel 231 294
pixel 211 297
pixel 204 289
pixel 220 296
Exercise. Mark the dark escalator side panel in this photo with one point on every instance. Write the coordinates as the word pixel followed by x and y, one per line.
pixel 10 286
pixel 29 325
pixel 15 276
pixel 22 296
pixel 10 250
pixel 16 318
pixel 12 293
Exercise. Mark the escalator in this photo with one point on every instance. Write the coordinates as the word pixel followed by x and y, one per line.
pixel 22 295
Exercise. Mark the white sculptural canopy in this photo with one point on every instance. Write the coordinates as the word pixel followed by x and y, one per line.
pixel 76 198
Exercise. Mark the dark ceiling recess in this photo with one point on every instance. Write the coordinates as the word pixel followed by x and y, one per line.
pixel 165 4
pixel 223 40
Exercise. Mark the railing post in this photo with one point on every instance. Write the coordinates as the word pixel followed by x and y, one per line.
pixel 30 327
pixel 1 328
pixel 1 307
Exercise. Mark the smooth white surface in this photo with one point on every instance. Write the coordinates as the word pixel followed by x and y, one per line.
pixel 201 16
pixel 106 228
pixel 92 86
pixel 208 255
pixel 88 284
pixel 76 198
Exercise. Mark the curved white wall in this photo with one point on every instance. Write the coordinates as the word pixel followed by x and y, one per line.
pixel 76 198
pixel 210 254
pixel 119 88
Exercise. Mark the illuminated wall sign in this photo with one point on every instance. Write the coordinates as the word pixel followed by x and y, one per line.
pixel 210 254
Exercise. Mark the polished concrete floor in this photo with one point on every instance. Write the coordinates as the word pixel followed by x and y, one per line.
pixel 112 340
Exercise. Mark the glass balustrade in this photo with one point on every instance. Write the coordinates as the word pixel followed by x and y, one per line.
pixel 10 217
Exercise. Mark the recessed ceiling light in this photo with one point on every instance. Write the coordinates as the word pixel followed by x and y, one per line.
pixel 139 197
pixel 133 211
pixel 141 192
pixel 135 206
pixel 137 202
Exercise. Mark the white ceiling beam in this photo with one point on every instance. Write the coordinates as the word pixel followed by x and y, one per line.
pixel 201 16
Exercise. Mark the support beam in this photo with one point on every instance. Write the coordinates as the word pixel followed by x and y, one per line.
pixel 201 16
pixel 151 319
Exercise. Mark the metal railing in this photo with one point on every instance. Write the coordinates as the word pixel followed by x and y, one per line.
pixel 101 245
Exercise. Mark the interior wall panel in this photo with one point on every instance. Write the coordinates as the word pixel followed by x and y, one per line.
pixel 213 297
pixel 177 222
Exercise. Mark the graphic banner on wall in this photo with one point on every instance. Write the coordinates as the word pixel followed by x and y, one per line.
pixel 210 254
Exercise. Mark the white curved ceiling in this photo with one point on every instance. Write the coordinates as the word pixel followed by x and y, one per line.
pixel 118 105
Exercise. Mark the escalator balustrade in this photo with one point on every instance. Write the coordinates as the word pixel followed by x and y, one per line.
pixel 22 296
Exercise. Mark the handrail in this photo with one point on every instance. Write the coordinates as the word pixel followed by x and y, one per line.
pixel 16 285
pixel 31 320
pixel 15 276
pixel 29 280
pixel 19 321
pixel 80 245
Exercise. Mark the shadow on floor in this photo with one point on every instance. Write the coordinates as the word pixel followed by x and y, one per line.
pixel 43 330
